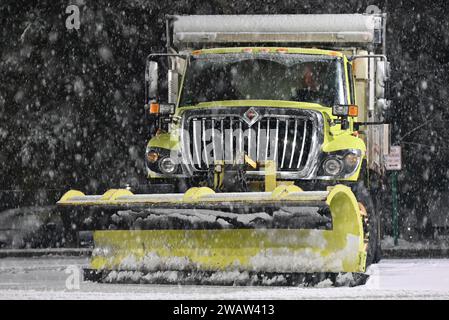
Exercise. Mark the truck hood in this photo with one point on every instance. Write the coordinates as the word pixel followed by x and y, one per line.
pixel 256 103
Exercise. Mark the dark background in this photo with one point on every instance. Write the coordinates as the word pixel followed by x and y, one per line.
pixel 71 102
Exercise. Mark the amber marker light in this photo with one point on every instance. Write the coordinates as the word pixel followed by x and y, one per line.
pixel 154 108
pixel 152 156
pixel 353 111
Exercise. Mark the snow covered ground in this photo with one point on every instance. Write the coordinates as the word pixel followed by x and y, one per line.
pixel 46 278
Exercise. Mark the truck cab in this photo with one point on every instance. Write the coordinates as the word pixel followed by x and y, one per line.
pixel 301 94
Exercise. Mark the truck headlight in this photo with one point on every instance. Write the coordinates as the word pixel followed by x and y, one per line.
pixel 168 165
pixel 332 167
pixel 340 164
pixel 162 161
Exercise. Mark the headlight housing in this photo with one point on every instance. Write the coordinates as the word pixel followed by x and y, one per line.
pixel 162 161
pixel 339 164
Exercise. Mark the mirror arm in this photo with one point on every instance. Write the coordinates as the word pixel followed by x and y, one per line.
pixel 382 56
pixel 152 55
pixel 358 124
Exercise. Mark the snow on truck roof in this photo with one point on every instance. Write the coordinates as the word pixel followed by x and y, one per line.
pixel 294 28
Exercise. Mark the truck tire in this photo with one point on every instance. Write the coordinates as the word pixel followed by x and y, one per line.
pixel 371 224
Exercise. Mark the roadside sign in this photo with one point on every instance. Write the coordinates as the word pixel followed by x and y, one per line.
pixel 393 161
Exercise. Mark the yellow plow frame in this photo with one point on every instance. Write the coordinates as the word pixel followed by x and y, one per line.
pixel 257 250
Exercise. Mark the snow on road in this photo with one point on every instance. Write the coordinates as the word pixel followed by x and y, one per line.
pixel 45 278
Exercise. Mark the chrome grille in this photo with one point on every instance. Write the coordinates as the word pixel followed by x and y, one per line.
pixel 218 137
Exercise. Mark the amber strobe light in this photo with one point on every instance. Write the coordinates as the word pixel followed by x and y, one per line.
pixel 154 108
pixel 353 111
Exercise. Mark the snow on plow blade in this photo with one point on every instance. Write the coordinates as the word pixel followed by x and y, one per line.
pixel 171 252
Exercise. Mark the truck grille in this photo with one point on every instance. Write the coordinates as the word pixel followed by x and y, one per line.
pixel 217 137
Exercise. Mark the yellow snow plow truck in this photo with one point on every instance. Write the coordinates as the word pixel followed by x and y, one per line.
pixel 267 141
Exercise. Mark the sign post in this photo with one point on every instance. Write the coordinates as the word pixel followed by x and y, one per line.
pixel 393 162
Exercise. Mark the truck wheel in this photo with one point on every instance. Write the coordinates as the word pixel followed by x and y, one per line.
pixel 371 222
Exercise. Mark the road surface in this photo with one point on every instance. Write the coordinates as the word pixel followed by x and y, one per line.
pixel 56 278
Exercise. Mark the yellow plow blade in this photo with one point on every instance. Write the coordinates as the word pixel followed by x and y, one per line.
pixel 272 250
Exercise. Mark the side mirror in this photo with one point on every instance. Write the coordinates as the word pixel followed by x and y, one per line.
pixel 382 76
pixel 383 104
pixel 151 79
pixel 172 86
pixel 343 111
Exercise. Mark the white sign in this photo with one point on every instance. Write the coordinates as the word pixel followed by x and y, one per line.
pixel 393 161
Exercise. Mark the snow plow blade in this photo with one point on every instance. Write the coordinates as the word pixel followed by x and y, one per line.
pixel 230 246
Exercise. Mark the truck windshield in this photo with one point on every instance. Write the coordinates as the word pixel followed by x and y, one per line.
pixel 243 76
